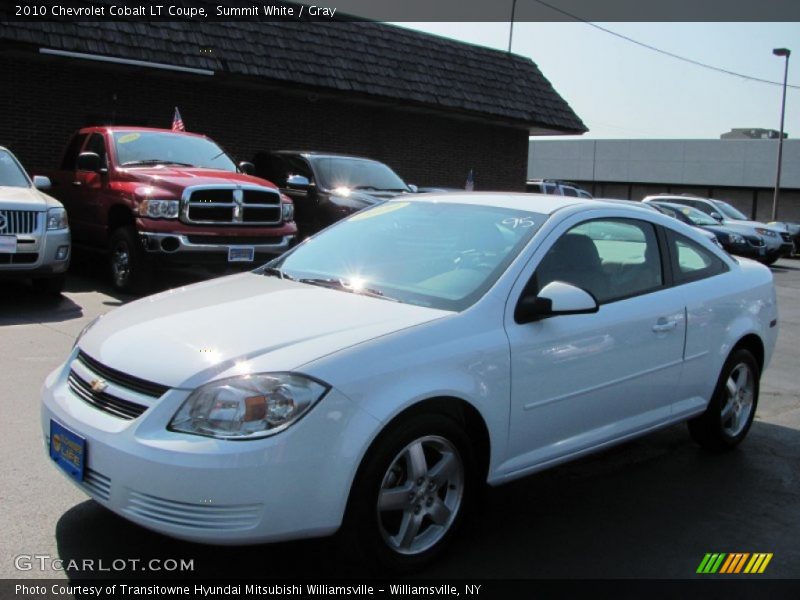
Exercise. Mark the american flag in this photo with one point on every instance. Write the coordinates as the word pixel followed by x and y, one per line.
pixel 177 122
pixel 470 185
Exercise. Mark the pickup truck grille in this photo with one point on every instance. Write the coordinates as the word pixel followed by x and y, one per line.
pixel 18 221
pixel 232 206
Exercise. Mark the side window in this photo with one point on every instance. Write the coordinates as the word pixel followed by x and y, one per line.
pixel 550 188
pixel 610 258
pixel 702 206
pixel 691 261
pixel 584 194
pixel 71 155
pixel 569 191
pixel 97 145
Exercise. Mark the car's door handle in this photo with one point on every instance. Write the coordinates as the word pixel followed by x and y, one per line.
pixel 663 325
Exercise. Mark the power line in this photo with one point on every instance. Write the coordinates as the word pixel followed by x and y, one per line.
pixel 691 61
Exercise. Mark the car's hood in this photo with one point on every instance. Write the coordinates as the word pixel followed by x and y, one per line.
pixel 242 323
pixel 750 225
pixel 174 178
pixel 18 198
pixel 363 198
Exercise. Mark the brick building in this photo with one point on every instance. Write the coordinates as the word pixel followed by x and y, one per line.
pixel 432 108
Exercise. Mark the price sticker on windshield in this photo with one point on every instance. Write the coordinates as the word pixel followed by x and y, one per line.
pixel 128 137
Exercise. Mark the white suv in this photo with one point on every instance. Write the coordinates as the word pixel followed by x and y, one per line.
pixel 34 235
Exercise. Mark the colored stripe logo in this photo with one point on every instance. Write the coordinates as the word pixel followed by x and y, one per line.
pixel 734 563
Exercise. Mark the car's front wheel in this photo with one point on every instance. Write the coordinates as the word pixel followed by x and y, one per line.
pixel 130 270
pixel 732 408
pixel 411 493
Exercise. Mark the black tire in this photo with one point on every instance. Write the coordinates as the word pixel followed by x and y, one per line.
pixel 769 261
pixel 51 286
pixel 429 507
pixel 730 412
pixel 131 271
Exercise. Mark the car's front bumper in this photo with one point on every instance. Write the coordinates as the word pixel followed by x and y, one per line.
pixel 38 256
pixel 291 485
pixel 178 246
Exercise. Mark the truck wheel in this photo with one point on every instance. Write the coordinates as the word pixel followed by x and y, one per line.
pixel 730 412
pixel 52 286
pixel 410 494
pixel 131 271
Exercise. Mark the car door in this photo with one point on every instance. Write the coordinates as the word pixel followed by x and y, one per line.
pixel 90 187
pixel 579 381
pixel 64 187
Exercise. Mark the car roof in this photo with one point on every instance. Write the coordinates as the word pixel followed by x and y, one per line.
pixel 320 154
pixel 120 128
pixel 536 203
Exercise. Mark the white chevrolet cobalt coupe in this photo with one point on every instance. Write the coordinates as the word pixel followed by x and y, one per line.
pixel 370 379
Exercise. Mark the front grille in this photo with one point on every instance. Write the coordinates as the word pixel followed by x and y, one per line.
pixel 786 237
pixel 232 240
pixel 754 241
pixel 141 386
pixel 27 258
pixel 18 221
pixel 232 206
pixel 193 516
pixel 112 405
pixel 97 484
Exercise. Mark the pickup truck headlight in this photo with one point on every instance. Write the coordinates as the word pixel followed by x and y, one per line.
pixel 159 209
pixel 735 238
pixel 247 407
pixel 56 218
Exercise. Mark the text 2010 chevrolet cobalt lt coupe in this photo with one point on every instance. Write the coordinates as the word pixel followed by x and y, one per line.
pixel 370 379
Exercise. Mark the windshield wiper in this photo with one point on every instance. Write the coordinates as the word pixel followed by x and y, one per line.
pixel 155 161
pixel 277 272
pixel 378 189
pixel 335 283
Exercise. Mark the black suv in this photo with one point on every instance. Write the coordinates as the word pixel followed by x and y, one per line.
pixel 326 187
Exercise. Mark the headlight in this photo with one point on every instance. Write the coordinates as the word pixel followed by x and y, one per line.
pixel 56 218
pixel 767 232
pixel 735 238
pixel 247 407
pixel 159 209
pixel 85 329
pixel 287 211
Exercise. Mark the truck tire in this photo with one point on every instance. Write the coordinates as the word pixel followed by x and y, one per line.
pixel 131 271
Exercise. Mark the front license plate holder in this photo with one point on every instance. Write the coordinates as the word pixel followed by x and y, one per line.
pixel 8 244
pixel 241 254
pixel 68 450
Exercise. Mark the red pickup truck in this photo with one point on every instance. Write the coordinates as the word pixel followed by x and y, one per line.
pixel 154 196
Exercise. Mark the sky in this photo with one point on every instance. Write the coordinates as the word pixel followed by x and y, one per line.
pixel 623 91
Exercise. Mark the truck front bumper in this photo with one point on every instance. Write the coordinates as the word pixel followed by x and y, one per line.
pixel 191 247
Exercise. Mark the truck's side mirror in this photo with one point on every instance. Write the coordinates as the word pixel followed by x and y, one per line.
pixel 298 182
pixel 556 298
pixel 40 182
pixel 247 168
pixel 89 161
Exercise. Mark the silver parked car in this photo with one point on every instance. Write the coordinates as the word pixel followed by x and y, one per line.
pixel 34 234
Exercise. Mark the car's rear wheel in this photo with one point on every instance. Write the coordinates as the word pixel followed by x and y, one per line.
pixel 732 408
pixel 411 493
pixel 131 272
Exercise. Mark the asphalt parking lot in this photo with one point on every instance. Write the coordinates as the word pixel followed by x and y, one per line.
pixel 651 508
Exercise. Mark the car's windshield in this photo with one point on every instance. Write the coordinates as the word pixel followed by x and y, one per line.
pixel 433 254
pixel 147 148
pixel 728 211
pixel 356 174
pixel 697 217
pixel 11 174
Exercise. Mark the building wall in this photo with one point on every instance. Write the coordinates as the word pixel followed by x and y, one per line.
pixel 739 171
pixel 52 97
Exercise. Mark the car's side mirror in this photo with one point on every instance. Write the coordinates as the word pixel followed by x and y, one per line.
pixel 716 216
pixel 298 182
pixel 89 161
pixel 40 182
pixel 414 189
pixel 556 298
pixel 247 168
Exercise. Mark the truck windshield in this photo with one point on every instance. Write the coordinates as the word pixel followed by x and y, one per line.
pixel 11 174
pixel 357 174
pixel 147 148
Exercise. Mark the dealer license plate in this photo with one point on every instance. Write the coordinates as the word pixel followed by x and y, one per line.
pixel 8 244
pixel 241 254
pixel 68 450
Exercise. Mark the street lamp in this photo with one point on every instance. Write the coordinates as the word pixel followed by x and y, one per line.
pixel 780 52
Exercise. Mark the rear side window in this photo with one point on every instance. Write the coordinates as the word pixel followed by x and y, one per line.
pixel 68 163
pixel 692 262
pixel 569 191
pixel 98 145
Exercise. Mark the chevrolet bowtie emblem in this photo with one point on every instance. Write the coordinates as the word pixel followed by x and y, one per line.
pixel 98 386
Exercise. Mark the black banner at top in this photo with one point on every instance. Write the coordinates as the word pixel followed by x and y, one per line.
pixel 402 10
